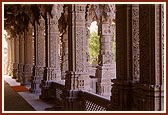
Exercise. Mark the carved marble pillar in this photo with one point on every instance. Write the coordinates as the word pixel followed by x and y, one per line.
pixel 52 70
pixel 21 56
pixel 76 77
pixel 28 57
pixel 5 55
pixel 16 57
pixel 90 17
pixel 121 98
pixel 78 56
pixel 53 60
pixel 39 55
pixel 64 53
pixel 150 92
pixel 106 69
pixel 9 55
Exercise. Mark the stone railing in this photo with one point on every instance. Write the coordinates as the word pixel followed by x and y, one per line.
pixel 94 102
pixel 57 90
pixel 89 101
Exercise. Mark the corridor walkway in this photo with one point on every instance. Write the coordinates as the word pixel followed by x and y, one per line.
pixel 21 101
pixel 13 101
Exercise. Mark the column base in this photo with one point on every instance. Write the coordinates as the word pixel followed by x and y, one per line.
pixel 72 101
pixel 121 98
pixel 148 97
pixel 15 73
pixel 27 74
pixel 35 88
pixel 36 79
pixel 20 72
pixel 46 92
pixel 15 70
pixel 105 73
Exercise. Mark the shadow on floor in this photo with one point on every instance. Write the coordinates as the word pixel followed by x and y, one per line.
pixel 13 101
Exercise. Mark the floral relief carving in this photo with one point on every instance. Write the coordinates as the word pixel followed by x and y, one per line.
pixel 135 42
pixel 162 41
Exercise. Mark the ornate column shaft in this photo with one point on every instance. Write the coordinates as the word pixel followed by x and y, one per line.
pixel 9 56
pixel 107 66
pixel 63 27
pixel 16 57
pixel 150 92
pixel 28 57
pixel 121 89
pixel 39 55
pixel 21 56
pixel 64 53
pixel 76 77
pixel 52 70
pixel 53 59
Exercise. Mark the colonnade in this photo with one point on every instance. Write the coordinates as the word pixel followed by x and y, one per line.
pixel 35 57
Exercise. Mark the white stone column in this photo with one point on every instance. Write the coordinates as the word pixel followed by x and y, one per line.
pixel 52 69
pixel 106 69
pixel 9 55
pixel 16 57
pixel 39 55
pixel 53 59
pixel 28 59
pixel 76 77
pixel 151 91
pixel 21 56
pixel 78 58
pixel 64 63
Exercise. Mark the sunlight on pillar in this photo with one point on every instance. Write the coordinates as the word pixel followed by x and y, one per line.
pixel 5 52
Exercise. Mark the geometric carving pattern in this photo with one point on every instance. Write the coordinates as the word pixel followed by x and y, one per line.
pixel 105 15
pixel 162 41
pixel 53 71
pixel 90 106
pixel 40 42
pixel 79 37
pixel 39 55
pixel 135 42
